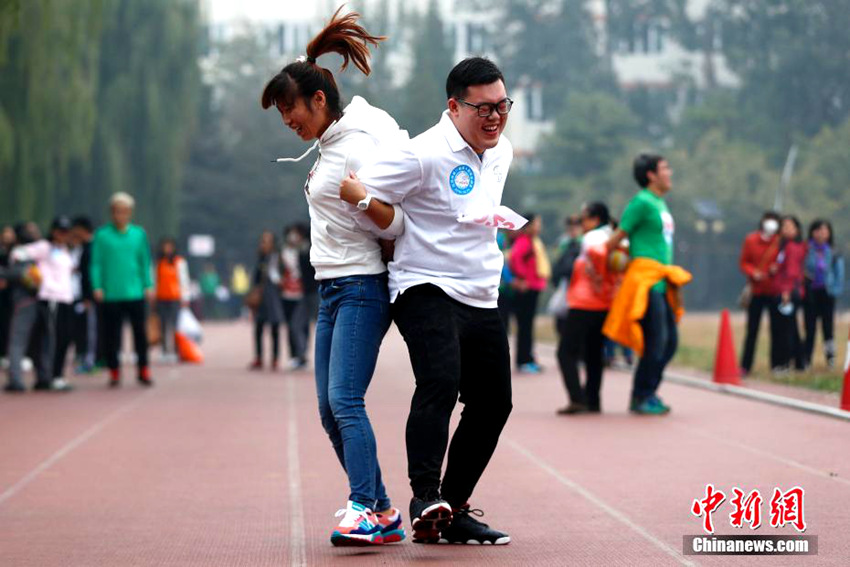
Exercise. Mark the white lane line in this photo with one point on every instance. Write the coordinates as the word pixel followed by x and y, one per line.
pixel 766 454
pixel 611 511
pixel 71 445
pixel 297 540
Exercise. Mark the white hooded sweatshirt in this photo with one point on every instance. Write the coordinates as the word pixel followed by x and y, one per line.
pixel 344 239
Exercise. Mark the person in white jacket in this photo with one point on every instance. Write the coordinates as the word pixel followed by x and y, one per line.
pixel 354 306
pixel 52 319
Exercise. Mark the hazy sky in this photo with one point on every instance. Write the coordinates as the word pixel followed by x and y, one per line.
pixel 276 10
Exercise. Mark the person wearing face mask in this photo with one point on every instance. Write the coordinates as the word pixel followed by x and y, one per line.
pixel 354 312
pixel 444 285
pixel 758 254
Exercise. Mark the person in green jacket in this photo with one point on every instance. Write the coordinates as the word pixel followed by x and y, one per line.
pixel 122 281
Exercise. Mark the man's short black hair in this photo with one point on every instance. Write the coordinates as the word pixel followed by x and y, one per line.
pixel 83 222
pixel 645 163
pixel 470 72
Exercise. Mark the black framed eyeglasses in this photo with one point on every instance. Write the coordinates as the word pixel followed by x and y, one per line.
pixel 485 109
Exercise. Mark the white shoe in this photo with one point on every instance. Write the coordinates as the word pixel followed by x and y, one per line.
pixel 358 527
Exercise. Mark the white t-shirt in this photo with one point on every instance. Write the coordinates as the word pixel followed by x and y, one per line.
pixel 435 178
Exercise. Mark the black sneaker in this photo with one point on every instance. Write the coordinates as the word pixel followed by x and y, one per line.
pixel 146 382
pixel 428 518
pixel 14 388
pixel 467 530
pixel 42 386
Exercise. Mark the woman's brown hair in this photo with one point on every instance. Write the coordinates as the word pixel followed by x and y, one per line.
pixel 342 35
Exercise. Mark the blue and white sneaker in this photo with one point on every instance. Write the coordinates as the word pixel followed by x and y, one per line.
pixel 358 527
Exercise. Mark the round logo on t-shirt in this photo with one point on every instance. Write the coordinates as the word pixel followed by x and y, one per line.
pixel 462 179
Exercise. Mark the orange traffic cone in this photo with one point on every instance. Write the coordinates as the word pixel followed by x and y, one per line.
pixel 845 392
pixel 187 349
pixel 726 369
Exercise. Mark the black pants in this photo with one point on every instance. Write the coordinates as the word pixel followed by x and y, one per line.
pixel 455 350
pixel 660 340
pixel 789 346
pixel 258 339
pixel 6 310
pixel 820 305
pixel 525 308
pixel 506 308
pixel 759 303
pixel 580 338
pixel 64 336
pixel 114 313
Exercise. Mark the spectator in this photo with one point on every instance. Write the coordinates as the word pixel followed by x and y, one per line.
pixel 240 285
pixel 209 283
pixel 531 269
pixel 295 257
pixel 591 291
pixel 824 272
pixel 651 286
pixel 172 293
pixel 268 309
pixel 504 240
pixel 86 326
pixel 758 254
pixel 52 318
pixel 7 242
pixel 789 283
pixel 122 282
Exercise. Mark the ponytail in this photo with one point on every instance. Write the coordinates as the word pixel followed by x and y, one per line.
pixel 303 78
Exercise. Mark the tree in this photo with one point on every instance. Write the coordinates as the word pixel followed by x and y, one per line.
pixel 552 43
pixel 792 58
pixel 592 130
pixel 424 94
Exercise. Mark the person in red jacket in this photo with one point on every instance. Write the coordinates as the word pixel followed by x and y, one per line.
pixel 758 254
pixel 789 284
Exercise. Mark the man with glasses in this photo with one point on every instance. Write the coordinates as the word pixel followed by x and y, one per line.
pixel 444 283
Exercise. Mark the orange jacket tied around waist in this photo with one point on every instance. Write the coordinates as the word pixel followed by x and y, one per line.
pixel 623 322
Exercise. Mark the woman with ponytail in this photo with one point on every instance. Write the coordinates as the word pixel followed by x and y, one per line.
pixel 354 301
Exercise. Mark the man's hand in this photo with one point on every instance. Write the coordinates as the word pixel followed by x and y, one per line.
pixel 758 275
pixel 149 296
pixel 2 284
pixel 351 190
pixel 98 295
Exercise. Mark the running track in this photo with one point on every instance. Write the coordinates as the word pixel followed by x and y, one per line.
pixel 220 466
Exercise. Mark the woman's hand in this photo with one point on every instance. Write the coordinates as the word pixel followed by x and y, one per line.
pixel 351 190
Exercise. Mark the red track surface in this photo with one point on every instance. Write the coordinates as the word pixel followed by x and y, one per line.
pixel 220 466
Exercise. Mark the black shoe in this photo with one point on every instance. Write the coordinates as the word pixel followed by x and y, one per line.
pixel 146 382
pixel 14 388
pixel 428 518
pixel 573 409
pixel 42 386
pixel 467 530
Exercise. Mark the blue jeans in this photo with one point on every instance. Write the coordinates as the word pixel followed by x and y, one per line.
pixel 354 315
pixel 660 340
